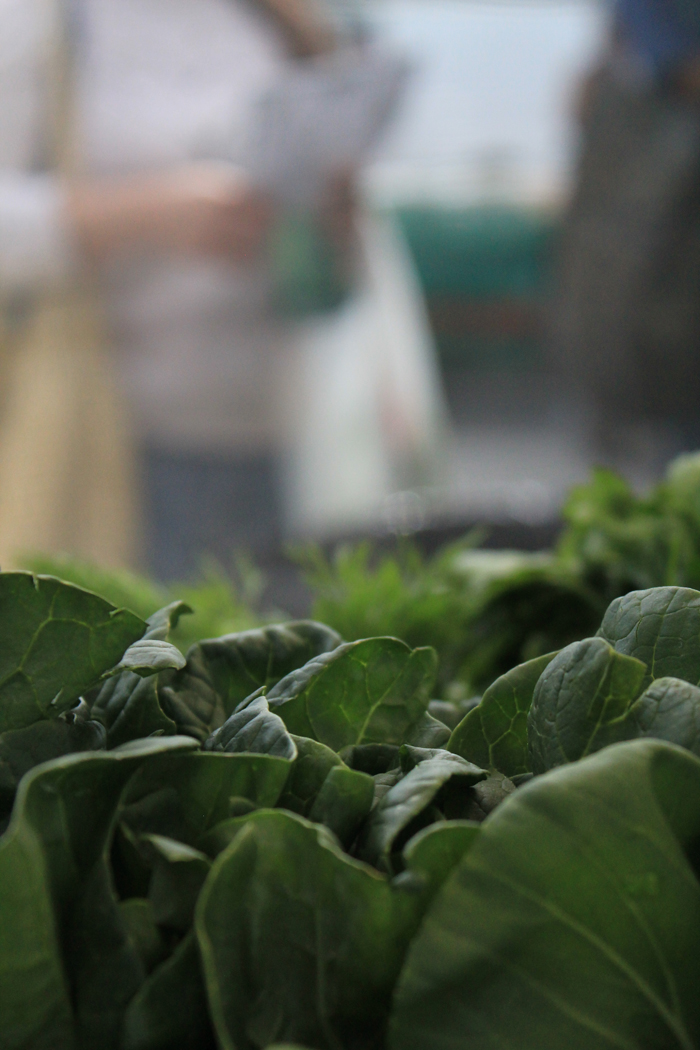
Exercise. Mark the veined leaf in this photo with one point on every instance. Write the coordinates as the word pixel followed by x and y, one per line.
pixel 253 729
pixel 364 692
pixel 128 703
pixel 51 860
pixel 586 940
pixel 581 702
pixel 57 642
pixel 403 803
pixel 316 939
pixel 493 734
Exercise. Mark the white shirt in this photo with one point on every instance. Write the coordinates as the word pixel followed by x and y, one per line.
pixel 159 82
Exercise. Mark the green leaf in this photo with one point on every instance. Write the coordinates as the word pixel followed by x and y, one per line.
pixel 580 703
pixel 372 758
pixel 222 672
pixel 177 877
pixel 315 939
pixel 493 734
pixel 128 703
pixel 364 692
pixel 182 796
pixel 58 641
pixel 428 732
pixel 308 774
pixel 660 627
pixel 344 802
pixel 393 820
pixel 253 729
pixel 170 1009
pixel 574 919
pixel 138 919
pixel 240 664
pixel 436 850
pixel 22 749
pixel 55 842
pixel 669 710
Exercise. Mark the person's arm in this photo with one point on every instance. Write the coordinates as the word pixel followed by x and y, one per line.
pixel 200 209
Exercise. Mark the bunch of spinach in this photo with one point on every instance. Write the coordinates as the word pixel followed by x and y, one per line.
pixel 273 841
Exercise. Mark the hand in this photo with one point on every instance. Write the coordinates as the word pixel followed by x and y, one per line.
pixel 203 209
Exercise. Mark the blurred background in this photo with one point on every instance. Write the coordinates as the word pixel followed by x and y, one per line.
pixel 276 271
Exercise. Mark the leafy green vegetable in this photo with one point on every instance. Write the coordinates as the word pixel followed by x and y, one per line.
pixel 372 691
pixel 316 938
pixel 51 861
pixel 580 703
pixel 128 703
pixel 587 939
pixel 394 819
pixel 493 734
pixel 222 672
pixel 58 641
pixel 255 728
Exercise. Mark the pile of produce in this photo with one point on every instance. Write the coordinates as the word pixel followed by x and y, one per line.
pixel 273 840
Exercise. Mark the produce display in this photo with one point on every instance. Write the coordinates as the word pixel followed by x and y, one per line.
pixel 274 840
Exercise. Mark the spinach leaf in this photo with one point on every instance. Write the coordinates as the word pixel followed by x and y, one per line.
pixel 128 703
pixel 253 729
pixel 170 1009
pixel 315 939
pixel 364 692
pixel 580 703
pixel 183 796
pixel 313 764
pixel 588 940
pixel 436 850
pixel 222 672
pixel 393 820
pixel 178 874
pixel 660 627
pixel 493 734
pixel 22 749
pixel 343 802
pixel 58 641
pixel 51 865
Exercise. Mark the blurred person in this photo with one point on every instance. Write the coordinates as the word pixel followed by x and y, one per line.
pixel 160 210
pixel 627 319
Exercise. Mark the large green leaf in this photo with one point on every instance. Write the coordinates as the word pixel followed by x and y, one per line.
pixel 183 796
pixel 394 819
pixel 51 859
pixel 222 672
pixel 314 938
pixel 253 729
pixel 57 642
pixel 660 627
pixel 372 691
pixel 128 703
pixel 581 702
pixel 574 919
pixel 493 734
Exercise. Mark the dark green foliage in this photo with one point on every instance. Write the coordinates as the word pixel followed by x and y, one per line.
pixel 322 863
